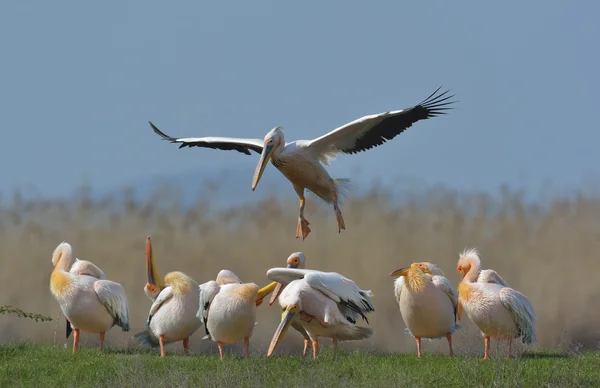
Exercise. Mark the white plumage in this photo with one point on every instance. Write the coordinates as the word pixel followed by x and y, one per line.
pixel 427 303
pixel 172 315
pixel 89 304
pixel 497 310
pixel 326 304
pixel 301 161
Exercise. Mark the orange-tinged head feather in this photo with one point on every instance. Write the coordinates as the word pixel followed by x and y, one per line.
pixel 180 283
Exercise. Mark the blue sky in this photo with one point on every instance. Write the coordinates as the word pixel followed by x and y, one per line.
pixel 80 80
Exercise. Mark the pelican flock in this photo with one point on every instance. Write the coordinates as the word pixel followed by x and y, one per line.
pixel 302 161
pixel 316 304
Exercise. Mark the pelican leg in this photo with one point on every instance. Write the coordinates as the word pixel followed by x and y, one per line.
pixel 509 348
pixel 306 344
pixel 161 342
pixel 186 345
pixel 486 349
pixel 449 337
pixel 315 345
pixel 246 347
pixel 75 340
pixel 101 341
pixel 338 213
pixel 302 229
pixel 220 345
pixel 418 339
pixel 335 343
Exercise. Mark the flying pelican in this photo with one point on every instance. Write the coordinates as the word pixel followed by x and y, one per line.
pixel 427 303
pixel 295 260
pixel 89 304
pixel 172 315
pixel 228 309
pixel 326 304
pixel 83 267
pixel 302 161
pixel 497 310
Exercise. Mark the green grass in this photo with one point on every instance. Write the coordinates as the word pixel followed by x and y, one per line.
pixel 35 365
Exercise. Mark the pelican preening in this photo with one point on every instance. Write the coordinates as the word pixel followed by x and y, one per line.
pixel 227 307
pixel 295 260
pixel 172 316
pixel 496 309
pixel 427 303
pixel 326 304
pixel 89 304
pixel 301 161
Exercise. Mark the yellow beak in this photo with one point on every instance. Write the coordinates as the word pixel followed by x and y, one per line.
pixel 266 290
pixel 286 320
pixel 153 277
pixel 262 164
pixel 399 272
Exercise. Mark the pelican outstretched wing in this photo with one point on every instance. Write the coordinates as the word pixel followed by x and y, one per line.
pixel 112 295
pixel 207 292
pixel 220 143
pixel 337 287
pixel 491 276
pixel 522 312
pixel 374 130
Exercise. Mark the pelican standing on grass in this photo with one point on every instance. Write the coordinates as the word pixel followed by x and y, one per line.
pixel 326 304
pixel 172 316
pixel 228 309
pixel 89 304
pixel 301 161
pixel 295 260
pixel 497 310
pixel 427 303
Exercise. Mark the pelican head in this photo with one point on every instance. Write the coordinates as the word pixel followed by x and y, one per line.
pixel 274 141
pixel 286 320
pixel 226 276
pixel 295 260
pixel 467 259
pixel 428 268
pixel 155 284
pixel 63 249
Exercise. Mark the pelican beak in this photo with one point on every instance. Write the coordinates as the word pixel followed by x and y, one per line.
pixel 286 320
pixel 399 272
pixel 266 290
pixel 262 164
pixel 153 278
pixel 459 310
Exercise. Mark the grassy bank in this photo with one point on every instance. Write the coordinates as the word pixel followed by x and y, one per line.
pixel 35 365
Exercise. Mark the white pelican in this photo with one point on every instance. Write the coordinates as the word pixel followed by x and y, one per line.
pixel 326 304
pixel 84 267
pixel 228 309
pixel 427 303
pixel 172 316
pixel 497 310
pixel 89 304
pixel 302 161
pixel 295 260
